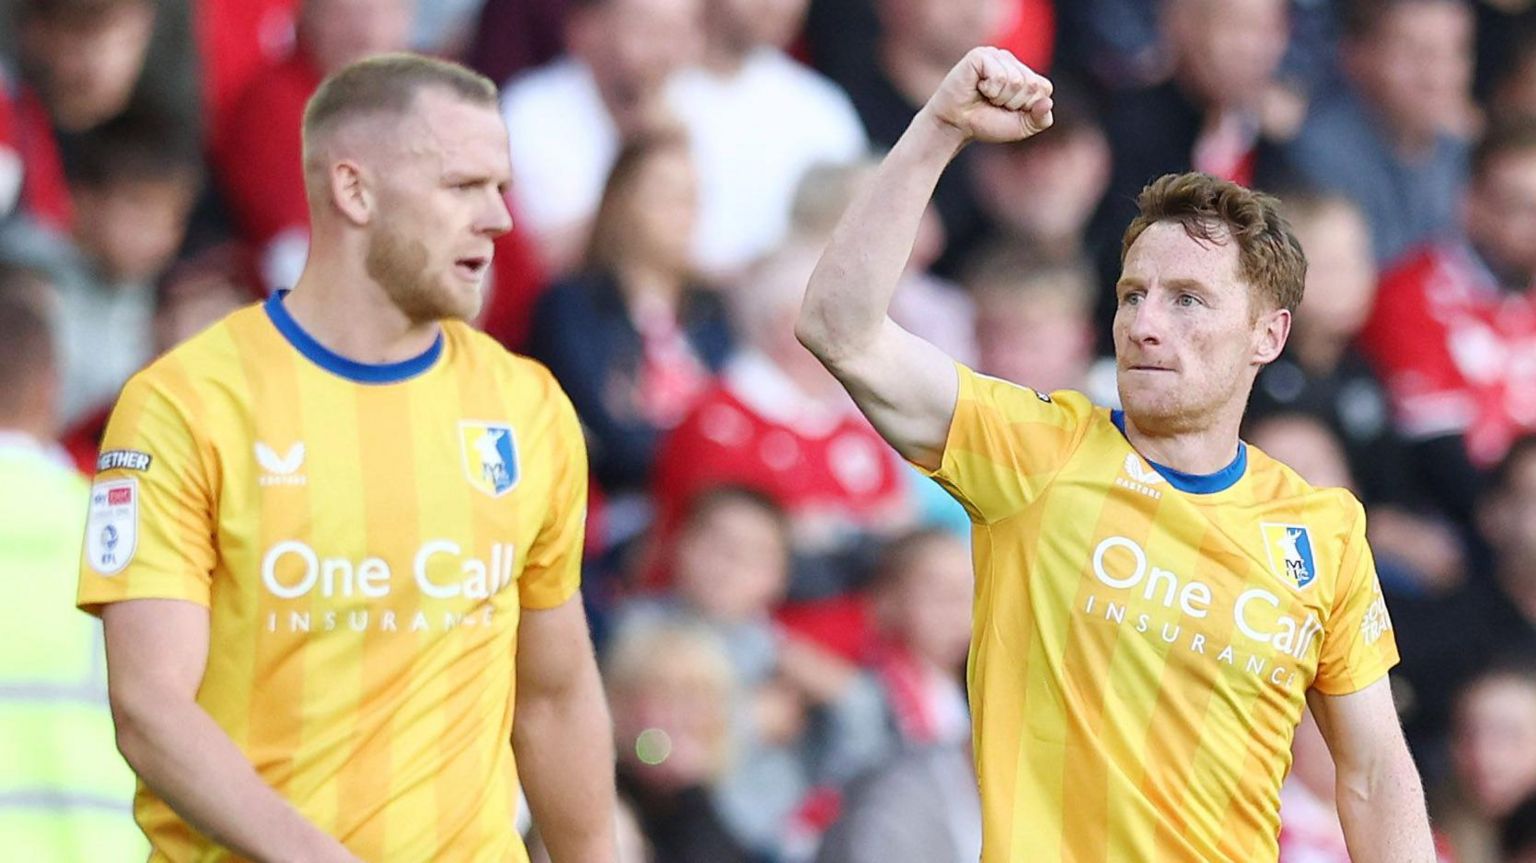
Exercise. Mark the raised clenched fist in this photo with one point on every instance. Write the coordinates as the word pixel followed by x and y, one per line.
pixel 990 96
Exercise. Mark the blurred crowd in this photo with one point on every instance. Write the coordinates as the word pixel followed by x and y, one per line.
pixel 781 605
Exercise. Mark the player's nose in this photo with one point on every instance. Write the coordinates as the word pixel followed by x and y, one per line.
pixel 496 218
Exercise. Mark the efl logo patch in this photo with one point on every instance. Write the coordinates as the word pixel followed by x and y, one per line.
pixel 1290 552
pixel 126 459
pixel 112 532
pixel 490 456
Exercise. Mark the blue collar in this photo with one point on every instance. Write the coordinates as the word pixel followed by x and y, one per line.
pixel 336 364
pixel 1195 483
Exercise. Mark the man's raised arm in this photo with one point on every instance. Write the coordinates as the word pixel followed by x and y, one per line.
pixel 906 386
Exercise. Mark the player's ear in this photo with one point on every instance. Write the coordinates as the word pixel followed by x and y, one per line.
pixel 1269 335
pixel 350 193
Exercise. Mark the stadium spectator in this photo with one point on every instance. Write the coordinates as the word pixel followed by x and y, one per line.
pixel 132 190
pixel 1034 321
pixel 258 160
pixel 1394 138
pixel 1447 640
pixel 671 724
pixel 1041 193
pixel 1453 332
pixel 84 56
pixel 569 118
pixel 921 606
pixel 65 793
pixel 32 182
pixel 802 717
pixel 775 420
pixel 750 160
pixel 633 338
pixel 1493 749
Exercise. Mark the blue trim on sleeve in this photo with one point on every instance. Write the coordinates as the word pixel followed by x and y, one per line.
pixel 336 364
pixel 1196 483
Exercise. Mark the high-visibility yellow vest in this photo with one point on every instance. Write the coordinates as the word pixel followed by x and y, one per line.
pixel 66 794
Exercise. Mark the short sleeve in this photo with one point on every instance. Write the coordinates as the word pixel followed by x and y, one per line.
pixel 552 571
pixel 1006 442
pixel 151 525
pixel 1358 644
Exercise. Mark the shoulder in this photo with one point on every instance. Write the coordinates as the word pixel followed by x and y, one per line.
pixel 480 357
pixel 202 363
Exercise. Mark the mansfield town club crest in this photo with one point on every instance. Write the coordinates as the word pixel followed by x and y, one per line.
pixel 1290 552
pixel 490 456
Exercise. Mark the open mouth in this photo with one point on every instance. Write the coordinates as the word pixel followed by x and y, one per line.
pixel 471 268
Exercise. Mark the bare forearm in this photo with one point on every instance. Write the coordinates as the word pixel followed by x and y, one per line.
pixel 564 745
pixel 1383 815
pixel 850 292
pixel 186 759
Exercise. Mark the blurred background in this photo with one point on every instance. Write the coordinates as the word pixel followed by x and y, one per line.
pixel 781 606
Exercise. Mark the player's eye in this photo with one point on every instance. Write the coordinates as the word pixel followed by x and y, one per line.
pixel 1188 300
pixel 1130 298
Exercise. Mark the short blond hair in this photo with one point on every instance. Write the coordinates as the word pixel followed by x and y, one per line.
pixel 1212 210
pixel 385 84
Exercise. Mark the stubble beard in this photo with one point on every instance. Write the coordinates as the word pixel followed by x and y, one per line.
pixel 401 267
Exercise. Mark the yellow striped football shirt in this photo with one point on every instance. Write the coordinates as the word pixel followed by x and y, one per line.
pixel 364 538
pixel 1144 638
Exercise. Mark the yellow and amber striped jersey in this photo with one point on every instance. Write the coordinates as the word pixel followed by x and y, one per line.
pixel 364 538
pixel 1144 638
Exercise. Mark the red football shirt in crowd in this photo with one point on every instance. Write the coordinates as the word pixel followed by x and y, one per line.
pixel 1457 353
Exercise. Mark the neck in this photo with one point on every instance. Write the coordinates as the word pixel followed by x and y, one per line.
pixel 911 72
pixel 340 306
pixel 637 279
pixel 1201 450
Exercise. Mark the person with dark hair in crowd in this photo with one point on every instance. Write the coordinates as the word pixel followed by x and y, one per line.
pixel 65 792
pixel 1463 386
pixel 133 186
pixel 1448 640
pixel 633 338
pixel 1493 757
pixel 1394 139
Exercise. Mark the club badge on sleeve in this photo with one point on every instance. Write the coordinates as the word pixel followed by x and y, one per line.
pixel 112 532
